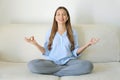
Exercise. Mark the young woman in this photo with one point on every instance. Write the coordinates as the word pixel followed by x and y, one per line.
pixel 61 49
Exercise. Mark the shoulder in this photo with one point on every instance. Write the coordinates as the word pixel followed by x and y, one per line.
pixel 74 32
pixel 49 31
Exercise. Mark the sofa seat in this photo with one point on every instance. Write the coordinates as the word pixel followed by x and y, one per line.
pixel 102 71
pixel 19 71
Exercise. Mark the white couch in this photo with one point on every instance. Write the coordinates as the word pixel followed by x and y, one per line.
pixel 15 52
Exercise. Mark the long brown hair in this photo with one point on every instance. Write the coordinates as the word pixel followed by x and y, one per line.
pixel 55 28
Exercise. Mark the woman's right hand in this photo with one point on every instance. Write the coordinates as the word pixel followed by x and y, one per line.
pixel 31 40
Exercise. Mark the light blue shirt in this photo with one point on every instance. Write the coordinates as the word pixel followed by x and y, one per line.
pixel 60 52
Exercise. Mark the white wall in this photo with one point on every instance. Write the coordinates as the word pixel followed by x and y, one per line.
pixel 42 11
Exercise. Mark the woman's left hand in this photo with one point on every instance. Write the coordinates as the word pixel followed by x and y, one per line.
pixel 93 41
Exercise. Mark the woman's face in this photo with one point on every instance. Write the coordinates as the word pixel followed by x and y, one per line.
pixel 61 16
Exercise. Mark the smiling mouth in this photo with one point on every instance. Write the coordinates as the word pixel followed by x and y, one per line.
pixel 61 20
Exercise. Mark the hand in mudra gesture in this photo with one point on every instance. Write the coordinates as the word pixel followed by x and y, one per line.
pixel 93 41
pixel 31 40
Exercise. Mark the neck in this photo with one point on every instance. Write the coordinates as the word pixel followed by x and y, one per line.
pixel 61 27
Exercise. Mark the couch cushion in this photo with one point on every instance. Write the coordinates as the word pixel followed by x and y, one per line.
pixel 108 47
pixel 14 48
pixel 102 71
pixel 19 71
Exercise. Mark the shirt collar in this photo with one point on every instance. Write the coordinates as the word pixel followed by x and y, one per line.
pixel 64 34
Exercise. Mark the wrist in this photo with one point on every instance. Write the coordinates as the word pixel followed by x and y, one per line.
pixel 88 45
pixel 36 44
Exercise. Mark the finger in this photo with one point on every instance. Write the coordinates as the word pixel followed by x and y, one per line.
pixel 32 38
pixel 26 39
pixel 96 40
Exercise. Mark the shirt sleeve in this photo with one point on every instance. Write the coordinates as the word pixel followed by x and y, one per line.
pixel 46 43
pixel 75 35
